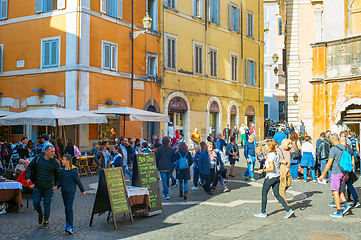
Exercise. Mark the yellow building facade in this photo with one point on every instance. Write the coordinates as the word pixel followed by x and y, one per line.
pixel 78 55
pixel 213 71
pixel 336 70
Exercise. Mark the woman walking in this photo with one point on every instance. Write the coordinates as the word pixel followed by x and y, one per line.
pixel 70 149
pixel 308 159
pixel 219 168
pixel 183 162
pixel 233 154
pixel 295 152
pixel 272 180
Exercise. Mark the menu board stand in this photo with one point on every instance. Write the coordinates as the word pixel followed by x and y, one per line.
pixel 145 174
pixel 111 195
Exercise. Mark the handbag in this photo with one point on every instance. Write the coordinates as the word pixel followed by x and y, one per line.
pixel 235 157
pixel 224 173
pixel 294 151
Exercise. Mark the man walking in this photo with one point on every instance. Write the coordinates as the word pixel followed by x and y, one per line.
pixel 302 128
pixel 46 174
pixel 279 136
pixel 226 133
pixel 220 143
pixel 45 141
pixel 242 131
pixel 322 153
pixel 123 145
pixel 236 133
pixel 337 176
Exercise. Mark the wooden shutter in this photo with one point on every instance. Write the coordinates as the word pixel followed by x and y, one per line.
pixel 255 74
pixel 173 53
pixel 219 12
pixel 120 9
pixel 54 53
pixel 46 54
pixel 238 20
pixel 106 56
pixel 229 16
pixel 169 61
pixel 38 6
pixel 252 24
pixel 103 6
pixel 61 4
pixel 114 58
pixel 1 59
pixel 4 9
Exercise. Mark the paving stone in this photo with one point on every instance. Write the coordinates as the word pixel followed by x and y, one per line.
pixel 318 217
pixel 260 221
pixel 346 219
pixel 228 233
pixel 245 226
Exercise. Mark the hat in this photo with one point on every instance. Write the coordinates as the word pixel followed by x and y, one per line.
pixel 95 143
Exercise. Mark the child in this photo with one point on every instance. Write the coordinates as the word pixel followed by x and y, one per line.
pixel 69 178
pixel 145 148
pixel 261 156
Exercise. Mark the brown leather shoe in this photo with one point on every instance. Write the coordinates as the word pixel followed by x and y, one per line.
pixel 40 219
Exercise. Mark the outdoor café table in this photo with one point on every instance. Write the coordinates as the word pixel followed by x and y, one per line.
pixel 11 191
pixel 83 165
pixel 138 198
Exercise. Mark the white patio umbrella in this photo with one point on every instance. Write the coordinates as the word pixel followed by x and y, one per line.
pixel 134 114
pixel 5 113
pixel 52 116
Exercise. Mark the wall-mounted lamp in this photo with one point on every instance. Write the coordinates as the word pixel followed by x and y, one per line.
pixel 39 90
pixel 147 24
pixel 111 103
pixel 277 86
pixel 295 97
pixel 275 58
pixel 275 70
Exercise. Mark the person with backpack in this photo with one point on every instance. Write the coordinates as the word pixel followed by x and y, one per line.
pixel 322 153
pixel 183 161
pixel 351 175
pixel 72 150
pixel 337 158
pixel 308 159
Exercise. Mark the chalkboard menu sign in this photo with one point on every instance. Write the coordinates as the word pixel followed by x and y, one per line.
pixel 145 175
pixel 111 195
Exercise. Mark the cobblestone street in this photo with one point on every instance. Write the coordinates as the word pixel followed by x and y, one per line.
pixel 221 216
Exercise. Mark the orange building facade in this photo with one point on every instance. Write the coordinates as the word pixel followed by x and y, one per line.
pixel 337 70
pixel 78 55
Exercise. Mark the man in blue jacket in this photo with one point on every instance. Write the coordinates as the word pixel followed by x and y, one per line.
pixel 250 155
pixel 46 175
pixel 279 136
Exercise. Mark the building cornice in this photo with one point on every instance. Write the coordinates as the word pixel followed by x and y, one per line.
pixel 336 79
pixel 345 40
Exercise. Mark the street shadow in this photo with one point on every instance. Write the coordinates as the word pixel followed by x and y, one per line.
pixel 300 205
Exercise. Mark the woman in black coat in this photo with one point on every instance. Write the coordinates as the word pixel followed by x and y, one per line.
pixel 183 162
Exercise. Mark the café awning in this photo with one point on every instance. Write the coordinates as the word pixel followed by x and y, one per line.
pixel 52 116
pixel 134 114
pixel 5 113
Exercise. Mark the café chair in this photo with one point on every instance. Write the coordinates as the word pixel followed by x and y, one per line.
pixel 83 167
pixel 27 193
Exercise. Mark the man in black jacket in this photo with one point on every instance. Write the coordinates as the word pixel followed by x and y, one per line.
pixel 46 174
pixel 322 152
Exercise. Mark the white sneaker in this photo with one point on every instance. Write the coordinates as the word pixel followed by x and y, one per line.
pixel 194 188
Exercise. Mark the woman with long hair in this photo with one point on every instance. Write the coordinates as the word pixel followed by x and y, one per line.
pixel 183 162
pixel 308 159
pixel 233 154
pixel 272 180
pixel 60 145
pixel 295 153
pixel 57 153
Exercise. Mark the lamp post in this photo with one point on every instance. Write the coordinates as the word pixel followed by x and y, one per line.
pixel 147 24
pixel 275 70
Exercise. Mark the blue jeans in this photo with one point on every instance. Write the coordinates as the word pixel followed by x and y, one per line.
pixel 46 194
pixel 68 199
pixel 196 175
pixel 249 171
pixel 323 165
pixel 294 170
pixel 165 182
pixel 353 192
pixel 125 169
pixel 312 173
pixel 181 181
pixel 220 179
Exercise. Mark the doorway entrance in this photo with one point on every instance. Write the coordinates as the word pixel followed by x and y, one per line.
pixel 250 115
pixel 177 113
pixel 214 114
pixel 233 119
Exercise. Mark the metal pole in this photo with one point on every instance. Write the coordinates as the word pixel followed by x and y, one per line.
pixel 131 36
pixel 124 125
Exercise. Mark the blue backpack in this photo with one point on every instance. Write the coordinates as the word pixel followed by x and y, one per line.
pixel 183 162
pixel 346 161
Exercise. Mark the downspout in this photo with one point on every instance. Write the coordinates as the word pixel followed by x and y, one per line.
pixel 132 39
pixel 206 34
pixel 242 65
pixel 162 47
pixel 259 72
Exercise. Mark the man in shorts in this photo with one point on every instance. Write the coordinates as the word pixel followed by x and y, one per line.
pixel 337 176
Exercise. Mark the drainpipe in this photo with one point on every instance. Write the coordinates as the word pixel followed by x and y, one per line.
pixel 206 34
pixel 132 39
pixel 242 65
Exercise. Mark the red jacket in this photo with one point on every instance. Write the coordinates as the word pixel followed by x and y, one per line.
pixel 21 179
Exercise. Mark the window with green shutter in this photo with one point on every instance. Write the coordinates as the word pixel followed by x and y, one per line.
pixel 50 53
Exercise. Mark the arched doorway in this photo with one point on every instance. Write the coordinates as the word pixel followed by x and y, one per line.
pixel 151 128
pixel 250 115
pixel 214 116
pixel 351 118
pixel 177 107
pixel 233 115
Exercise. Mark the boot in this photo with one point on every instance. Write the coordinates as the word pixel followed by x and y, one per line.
pixel 185 195
pixel 181 193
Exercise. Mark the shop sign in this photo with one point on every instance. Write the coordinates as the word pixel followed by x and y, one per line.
pixel 178 103
pixel 214 107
